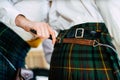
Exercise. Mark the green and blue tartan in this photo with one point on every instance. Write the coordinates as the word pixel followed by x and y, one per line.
pixel 81 62
pixel 14 48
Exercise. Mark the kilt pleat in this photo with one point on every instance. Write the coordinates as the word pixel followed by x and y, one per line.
pixel 14 48
pixel 81 62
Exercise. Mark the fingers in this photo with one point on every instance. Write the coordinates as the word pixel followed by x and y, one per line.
pixel 43 31
pixel 40 30
pixel 46 31
pixel 53 38
pixel 52 33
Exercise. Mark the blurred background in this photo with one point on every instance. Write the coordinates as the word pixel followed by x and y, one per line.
pixel 36 61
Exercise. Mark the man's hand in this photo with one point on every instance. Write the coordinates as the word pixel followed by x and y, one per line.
pixel 43 30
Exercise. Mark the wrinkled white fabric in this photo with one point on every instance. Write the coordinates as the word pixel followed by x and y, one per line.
pixel 64 14
pixel 35 10
pixel 110 11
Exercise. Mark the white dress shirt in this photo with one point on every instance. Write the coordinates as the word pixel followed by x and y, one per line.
pixel 35 10
pixel 110 10
pixel 66 13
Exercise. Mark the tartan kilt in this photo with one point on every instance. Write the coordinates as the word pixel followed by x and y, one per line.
pixel 14 48
pixel 81 62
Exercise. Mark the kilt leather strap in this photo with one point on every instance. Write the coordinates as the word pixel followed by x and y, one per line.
pixel 79 41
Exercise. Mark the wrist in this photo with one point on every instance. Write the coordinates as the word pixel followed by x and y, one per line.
pixel 22 22
pixel 19 19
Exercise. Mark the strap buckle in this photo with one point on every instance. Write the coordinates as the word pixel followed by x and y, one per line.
pixel 79 33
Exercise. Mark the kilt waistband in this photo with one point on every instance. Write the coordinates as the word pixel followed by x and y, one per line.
pixel 79 32
pixel 79 41
pixel 12 45
pixel 84 34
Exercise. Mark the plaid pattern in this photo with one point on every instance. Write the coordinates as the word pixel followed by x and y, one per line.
pixel 14 48
pixel 80 62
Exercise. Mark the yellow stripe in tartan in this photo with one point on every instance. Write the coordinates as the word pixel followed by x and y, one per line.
pixel 3 49
pixel 3 31
pixel 103 63
pixel 87 69
pixel 69 77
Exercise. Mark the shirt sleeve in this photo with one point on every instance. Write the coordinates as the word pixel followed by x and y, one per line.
pixel 8 12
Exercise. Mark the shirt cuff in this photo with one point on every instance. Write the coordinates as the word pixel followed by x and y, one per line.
pixel 9 13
